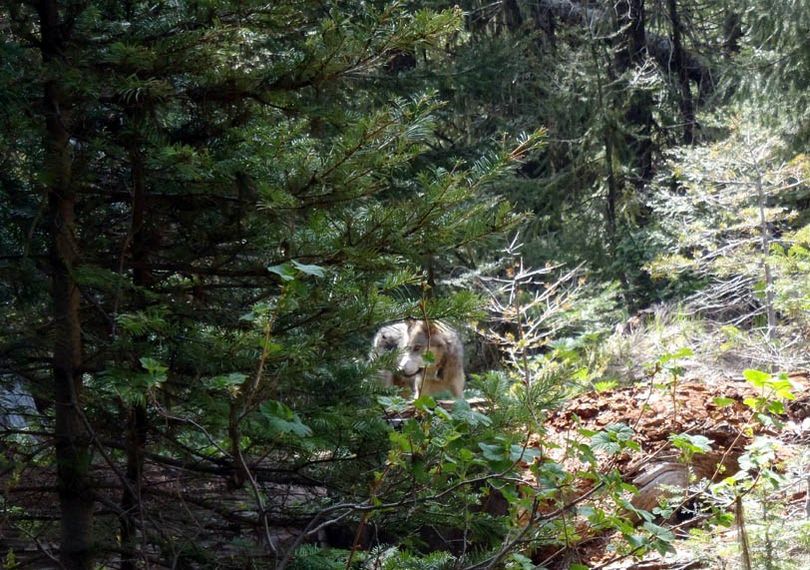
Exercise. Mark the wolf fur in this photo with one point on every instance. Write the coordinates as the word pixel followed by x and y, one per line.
pixel 445 370
pixel 415 374
pixel 392 338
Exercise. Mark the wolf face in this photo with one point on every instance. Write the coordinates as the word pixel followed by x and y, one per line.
pixel 392 338
pixel 388 338
pixel 433 357
pixel 423 352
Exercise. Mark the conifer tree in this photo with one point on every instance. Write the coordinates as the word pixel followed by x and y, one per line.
pixel 224 208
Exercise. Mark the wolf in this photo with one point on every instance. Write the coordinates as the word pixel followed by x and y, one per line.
pixel 444 369
pixel 417 374
pixel 392 338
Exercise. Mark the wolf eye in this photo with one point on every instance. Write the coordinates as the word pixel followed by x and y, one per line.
pixel 417 347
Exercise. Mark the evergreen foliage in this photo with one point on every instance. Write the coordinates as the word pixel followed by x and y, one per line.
pixel 207 207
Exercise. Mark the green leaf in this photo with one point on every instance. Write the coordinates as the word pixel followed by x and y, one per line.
pixel 424 403
pixel 314 270
pixel 226 381
pixel 621 432
pixel 463 413
pixel 722 519
pixel 152 366
pixel 756 378
pixel 754 403
pixel 401 441
pixel 776 407
pixel 270 347
pixel 783 387
pixel 663 537
pixel 284 271
pixel 586 511
pixel 684 352
pixel 283 420
pixel 517 453
pixel 605 385
pixel 429 357
pixel 395 404
pixel 633 445
pixel 613 439
pixel 723 402
pixel 492 452
pixel 520 562
pixel 602 442
pixel 636 541
pixel 691 443
pixel 440 412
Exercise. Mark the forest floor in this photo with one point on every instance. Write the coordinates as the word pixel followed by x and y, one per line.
pixel 700 390
pixel 688 392
pixel 716 411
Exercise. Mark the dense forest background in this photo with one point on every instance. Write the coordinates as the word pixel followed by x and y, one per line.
pixel 207 208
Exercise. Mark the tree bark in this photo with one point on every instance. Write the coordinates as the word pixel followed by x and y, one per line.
pixel 137 419
pixel 770 310
pixel 544 20
pixel 660 48
pixel 686 104
pixel 732 32
pixel 511 15
pixel 72 441
pixel 631 53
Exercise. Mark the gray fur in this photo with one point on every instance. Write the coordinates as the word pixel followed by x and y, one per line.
pixel 416 374
pixel 388 339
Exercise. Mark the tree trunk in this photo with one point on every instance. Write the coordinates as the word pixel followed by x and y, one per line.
pixel 732 32
pixel 770 310
pixel 137 419
pixel 71 438
pixel 544 20
pixel 511 15
pixel 631 53
pixel 659 47
pixel 686 104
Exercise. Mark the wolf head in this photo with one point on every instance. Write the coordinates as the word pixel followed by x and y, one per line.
pixel 433 357
pixel 424 351
pixel 430 357
pixel 391 340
